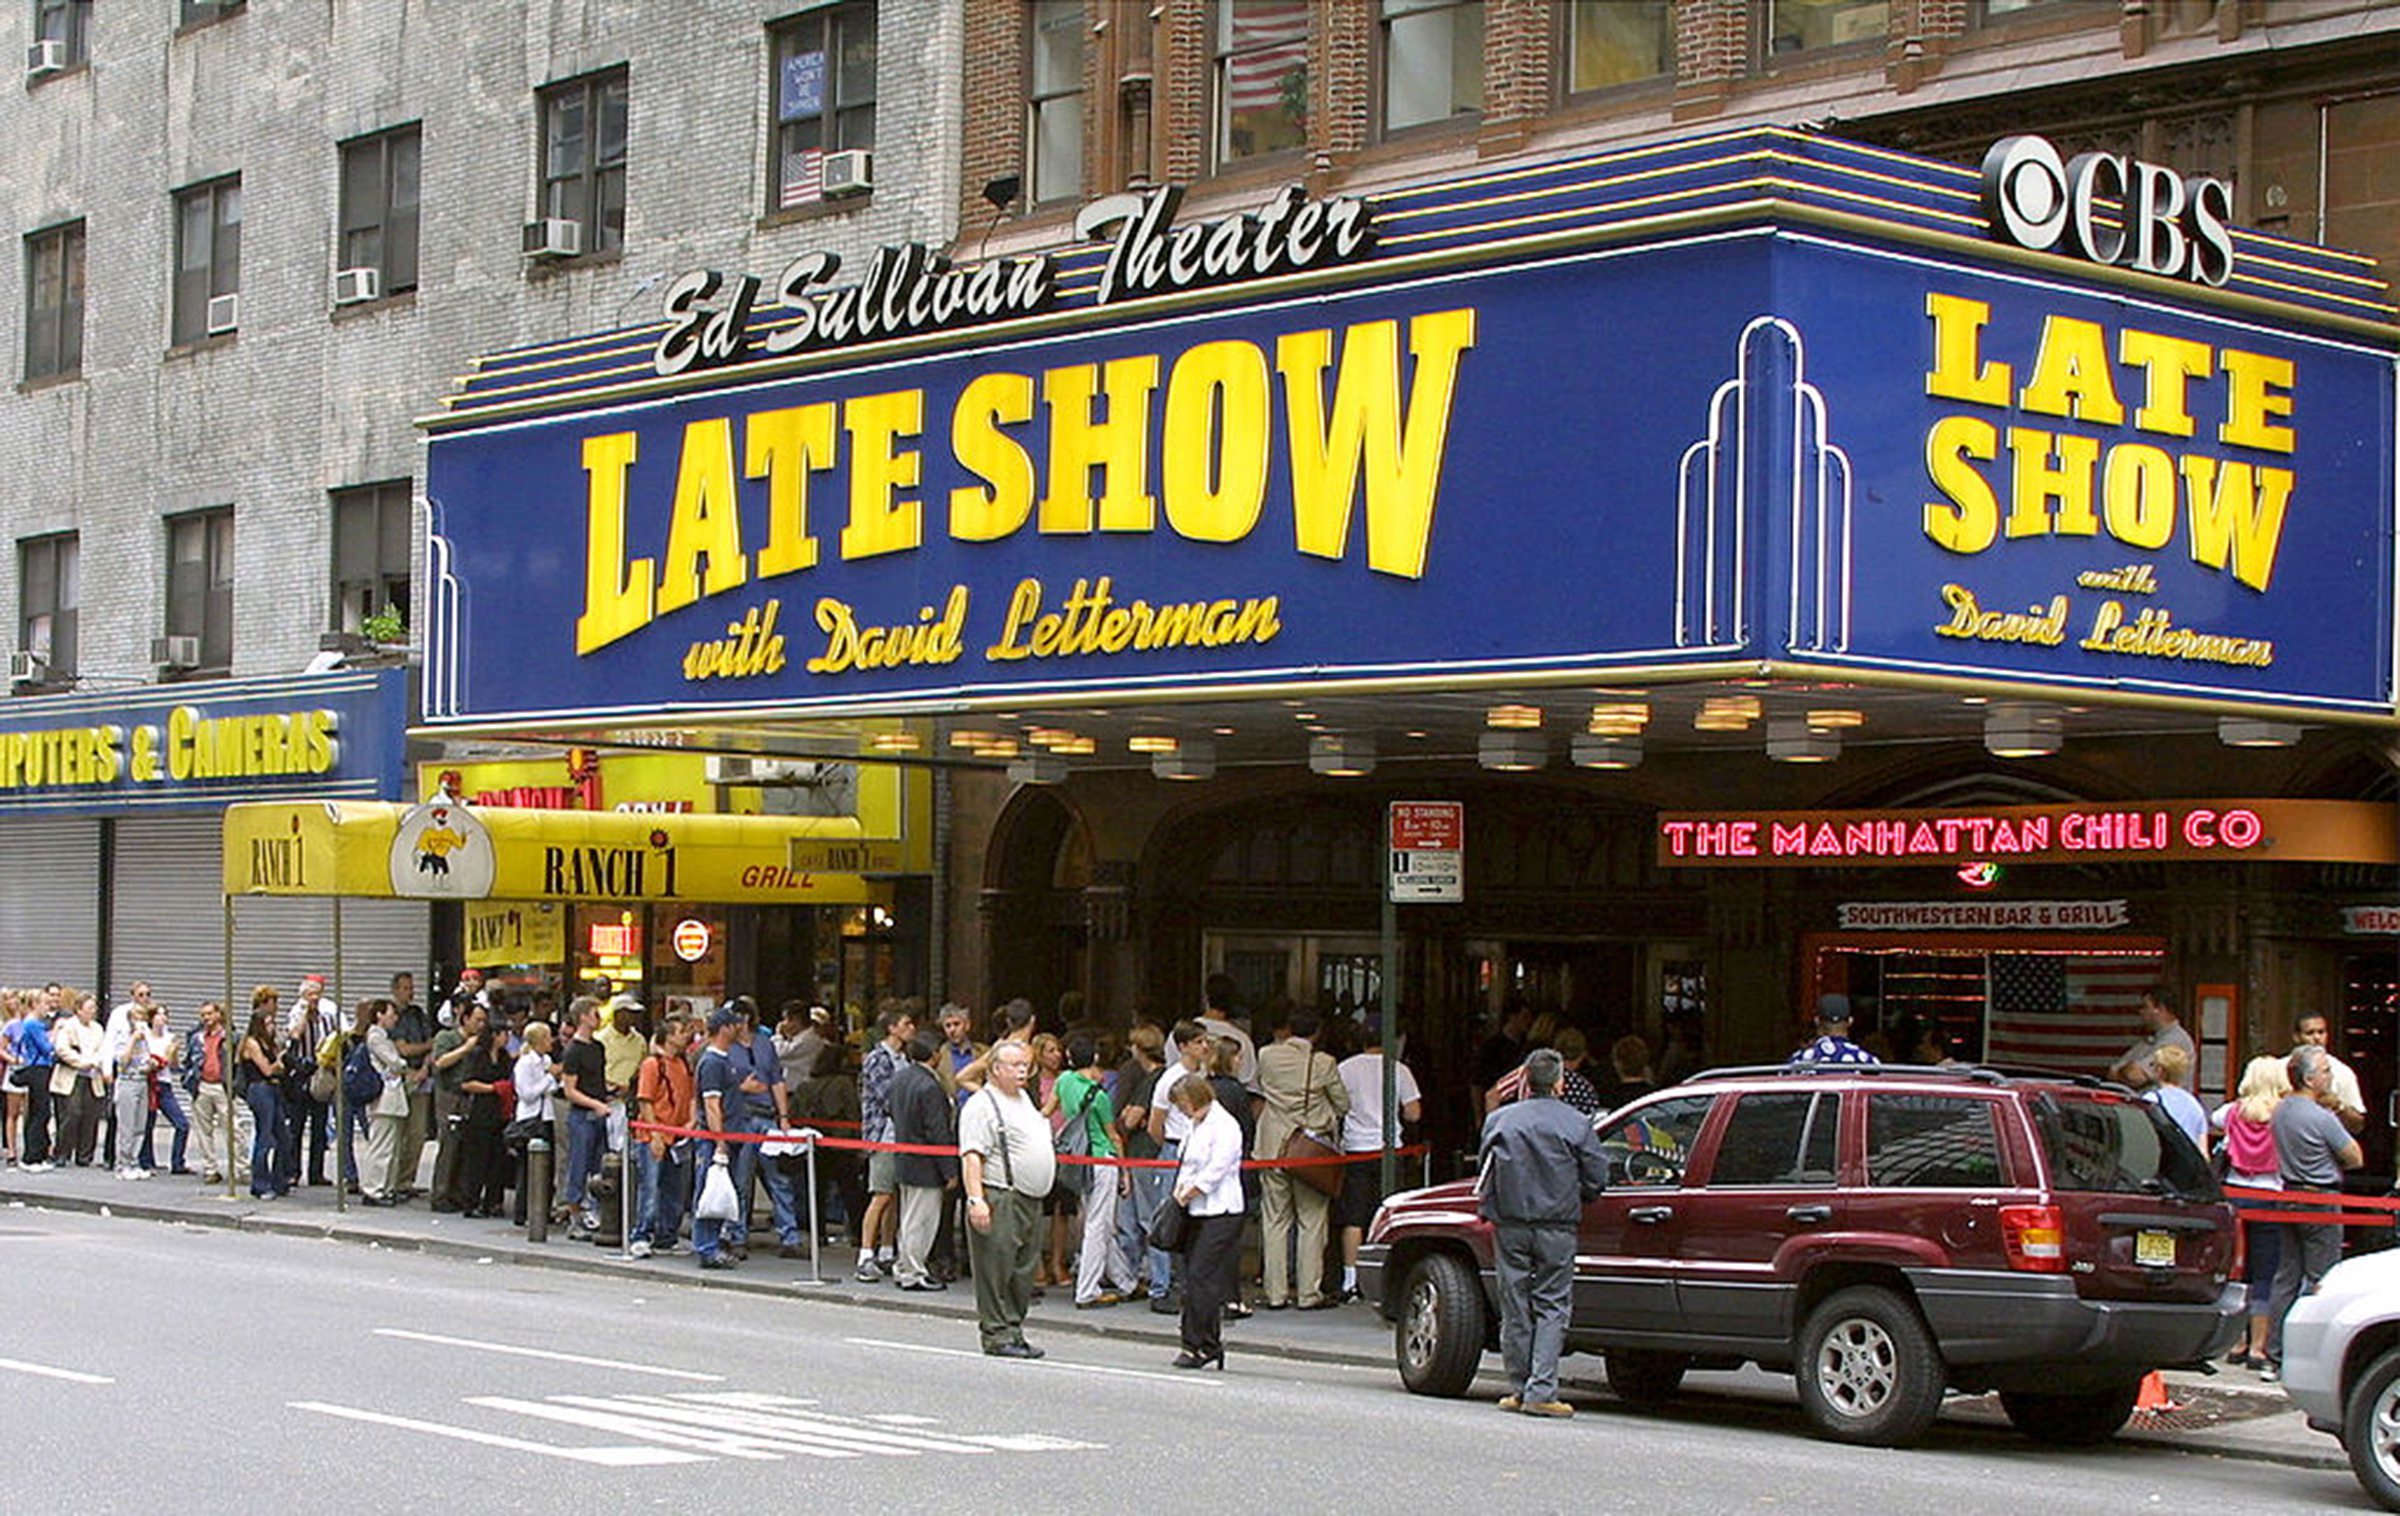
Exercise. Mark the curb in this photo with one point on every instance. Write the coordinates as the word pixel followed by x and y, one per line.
pixel 521 1254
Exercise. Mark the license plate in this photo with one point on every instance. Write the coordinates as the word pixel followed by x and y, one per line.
pixel 2154 1250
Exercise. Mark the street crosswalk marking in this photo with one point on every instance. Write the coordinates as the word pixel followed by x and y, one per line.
pixel 45 1371
pixel 1015 1364
pixel 607 1457
pixel 515 1351
pixel 704 1426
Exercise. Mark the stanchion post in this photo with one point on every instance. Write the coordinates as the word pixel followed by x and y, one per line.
pixel 228 1051
pixel 625 1182
pixel 537 1190
pixel 816 1225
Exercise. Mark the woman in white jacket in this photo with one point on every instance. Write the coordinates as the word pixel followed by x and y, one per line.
pixel 380 1179
pixel 1208 1185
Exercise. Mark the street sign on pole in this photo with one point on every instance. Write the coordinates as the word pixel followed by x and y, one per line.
pixel 1428 851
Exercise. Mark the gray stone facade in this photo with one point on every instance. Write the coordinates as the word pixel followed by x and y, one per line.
pixel 306 398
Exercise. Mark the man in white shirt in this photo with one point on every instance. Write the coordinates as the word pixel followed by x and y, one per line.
pixel 1362 1132
pixel 122 1018
pixel 2313 1030
pixel 1217 1021
pixel 312 1022
pixel 1007 1165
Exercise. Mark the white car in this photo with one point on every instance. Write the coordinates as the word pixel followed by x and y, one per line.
pixel 2341 1366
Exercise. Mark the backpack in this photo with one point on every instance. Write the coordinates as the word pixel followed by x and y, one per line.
pixel 362 1085
pixel 1074 1140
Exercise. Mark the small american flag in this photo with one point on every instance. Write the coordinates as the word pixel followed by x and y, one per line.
pixel 803 177
pixel 1268 39
pixel 2075 1014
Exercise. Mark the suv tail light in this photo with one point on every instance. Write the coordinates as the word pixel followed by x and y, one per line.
pixel 2035 1237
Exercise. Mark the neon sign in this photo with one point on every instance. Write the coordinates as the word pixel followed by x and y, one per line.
pixel 2284 830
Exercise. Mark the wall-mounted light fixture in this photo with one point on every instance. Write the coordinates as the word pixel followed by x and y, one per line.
pixel 1594 750
pixel 2248 731
pixel 1341 756
pixel 1512 752
pixel 2012 730
pixel 1189 761
pixel 1790 739
pixel 1040 769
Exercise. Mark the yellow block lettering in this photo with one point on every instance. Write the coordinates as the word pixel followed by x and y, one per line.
pixel 1213 465
pixel 1119 447
pixel 2071 374
pixel 2237 515
pixel 1967 517
pixel 1365 431
pixel 2169 363
pixel 1959 372
pixel 784 446
pixel 879 522
pixel 2140 484
pixel 616 594
pixel 707 520
pixel 989 402
pixel 2038 480
pixel 2257 388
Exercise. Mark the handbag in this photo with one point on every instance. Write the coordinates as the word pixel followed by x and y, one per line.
pixel 323 1085
pixel 519 1134
pixel 718 1202
pixel 1324 1178
pixel 1074 1140
pixel 1172 1228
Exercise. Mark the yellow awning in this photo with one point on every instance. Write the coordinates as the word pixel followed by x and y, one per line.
pixel 442 850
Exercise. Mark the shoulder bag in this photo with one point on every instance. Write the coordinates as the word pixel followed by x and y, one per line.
pixel 1172 1228
pixel 1323 1177
pixel 1075 1141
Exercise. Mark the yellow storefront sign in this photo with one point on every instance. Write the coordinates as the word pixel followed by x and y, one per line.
pixel 515 931
pixel 436 851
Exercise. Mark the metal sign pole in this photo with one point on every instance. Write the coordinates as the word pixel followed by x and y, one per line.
pixel 229 1049
pixel 1390 1165
pixel 341 1082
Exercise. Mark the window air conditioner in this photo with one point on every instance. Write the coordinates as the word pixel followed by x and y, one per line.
pixel 48 56
pixel 849 173
pixel 27 668
pixel 354 286
pixel 727 768
pixel 224 313
pixel 175 652
pixel 553 237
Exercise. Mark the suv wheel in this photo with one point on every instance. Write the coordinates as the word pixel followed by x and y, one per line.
pixel 2071 1421
pixel 1867 1369
pixel 1440 1334
pixel 1644 1379
pixel 2371 1429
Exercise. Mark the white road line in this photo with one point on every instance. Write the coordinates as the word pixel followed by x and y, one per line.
pixel 1200 1380
pixel 836 1431
pixel 605 1416
pixel 48 1372
pixel 615 1458
pixel 518 1352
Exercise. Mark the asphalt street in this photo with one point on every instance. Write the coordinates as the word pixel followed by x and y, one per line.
pixel 146 1367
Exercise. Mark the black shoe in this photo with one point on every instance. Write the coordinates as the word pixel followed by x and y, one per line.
pixel 741 1252
pixel 1191 1360
pixel 1165 1305
pixel 1013 1350
pixel 790 1250
pixel 721 1261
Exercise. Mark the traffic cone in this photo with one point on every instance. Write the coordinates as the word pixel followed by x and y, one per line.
pixel 2153 1397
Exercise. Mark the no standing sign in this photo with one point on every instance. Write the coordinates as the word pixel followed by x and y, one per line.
pixel 1428 840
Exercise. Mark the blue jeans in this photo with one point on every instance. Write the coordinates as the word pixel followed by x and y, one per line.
pixel 779 1194
pixel 170 1105
pixel 710 1238
pixel 661 1188
pixel 587 1139
pixel 1151 1187
pixel 268 1127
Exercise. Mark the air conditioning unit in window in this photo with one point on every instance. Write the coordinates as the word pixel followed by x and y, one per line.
pixel 849 173
pixel 732 768
pixel 175 652
pixel 48 56
pixel 553 237
pixel 27 668
pixel 354 286
pixel 224 313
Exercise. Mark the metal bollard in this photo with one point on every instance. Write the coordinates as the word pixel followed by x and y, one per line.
pixel 816 1227
pixel 537 1190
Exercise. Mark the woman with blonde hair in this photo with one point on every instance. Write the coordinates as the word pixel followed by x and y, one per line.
pixel 2248 1147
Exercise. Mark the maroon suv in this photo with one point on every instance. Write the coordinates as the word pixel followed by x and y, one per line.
pixel 1882 1233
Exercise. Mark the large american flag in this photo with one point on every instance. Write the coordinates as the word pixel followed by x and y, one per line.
pixel 2075 1014
pixel 1267 39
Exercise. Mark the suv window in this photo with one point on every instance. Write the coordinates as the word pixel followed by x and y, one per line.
pixel 2119 1146
pixel 1783 1138
pixel 1931 1142
pixel 1649 1149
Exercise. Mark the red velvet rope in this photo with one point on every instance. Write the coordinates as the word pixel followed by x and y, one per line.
pixel 933 1150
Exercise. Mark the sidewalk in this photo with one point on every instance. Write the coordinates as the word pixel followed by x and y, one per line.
pixel 2229 1414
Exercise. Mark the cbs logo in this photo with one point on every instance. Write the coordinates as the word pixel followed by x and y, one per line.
pixel 2109 209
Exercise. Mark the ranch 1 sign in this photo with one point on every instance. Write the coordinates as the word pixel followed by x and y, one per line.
pixel 1834 450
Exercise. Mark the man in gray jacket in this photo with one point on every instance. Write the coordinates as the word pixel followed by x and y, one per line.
pixel 1540 1164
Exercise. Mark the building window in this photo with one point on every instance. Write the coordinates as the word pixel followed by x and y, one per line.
pixel 208 259
pixel 379 207
pixel 583 158
pixel 370 554
pixel 1054 51
pixel 1432 61
pixel 54 302
pixel 1261 77
pixel 1796 26
pixel 824 89
pixel 202 12
pixel 200 588
pixel 67 23
pixel 1613 42
pixel 47 598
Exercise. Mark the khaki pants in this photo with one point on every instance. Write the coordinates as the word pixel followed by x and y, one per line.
pixel 1286 1206
pixel 412 1139
pixel 920 1219
pixel 210 1108
pixel 377 1174
pixel 1003 1259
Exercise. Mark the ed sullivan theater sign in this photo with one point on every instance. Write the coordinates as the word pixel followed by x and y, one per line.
pixel 1423 441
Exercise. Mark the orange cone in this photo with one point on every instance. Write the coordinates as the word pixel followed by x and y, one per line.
pixel 2153 1397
